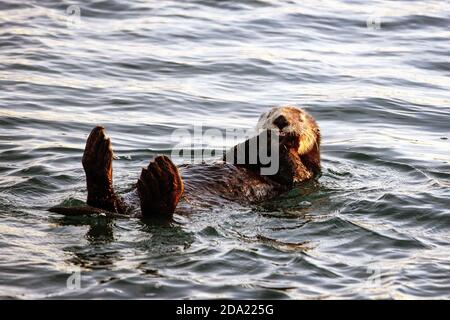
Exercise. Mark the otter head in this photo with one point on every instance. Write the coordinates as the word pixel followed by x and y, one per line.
pixel 299 142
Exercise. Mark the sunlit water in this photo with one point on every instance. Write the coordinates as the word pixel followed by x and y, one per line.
pixel 376 76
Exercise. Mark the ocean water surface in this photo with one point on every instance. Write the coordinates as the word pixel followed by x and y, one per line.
pixel 375 75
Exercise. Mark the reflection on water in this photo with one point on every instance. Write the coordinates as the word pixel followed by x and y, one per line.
pixel 145 69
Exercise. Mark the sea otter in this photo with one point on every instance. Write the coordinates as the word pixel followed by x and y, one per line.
pixel 162 191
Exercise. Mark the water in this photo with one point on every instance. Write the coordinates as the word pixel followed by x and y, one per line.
pixel 374 75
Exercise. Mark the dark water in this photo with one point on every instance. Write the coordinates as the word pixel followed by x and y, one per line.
pixel 374 74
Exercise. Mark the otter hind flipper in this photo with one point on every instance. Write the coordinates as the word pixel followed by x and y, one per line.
pixel 97 164
pixel 160 188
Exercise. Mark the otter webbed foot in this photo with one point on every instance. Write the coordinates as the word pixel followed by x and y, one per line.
pixel 97 164
pixel 160 188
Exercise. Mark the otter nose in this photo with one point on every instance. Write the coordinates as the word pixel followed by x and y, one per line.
pixel 280 122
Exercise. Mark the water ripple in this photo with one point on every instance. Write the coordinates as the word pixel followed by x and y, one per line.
pixel 376 77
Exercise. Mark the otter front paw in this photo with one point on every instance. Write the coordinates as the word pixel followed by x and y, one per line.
pixel 160 188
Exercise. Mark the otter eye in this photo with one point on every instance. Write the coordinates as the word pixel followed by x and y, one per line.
pixel 280 122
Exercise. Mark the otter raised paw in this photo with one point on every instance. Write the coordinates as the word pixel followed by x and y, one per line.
pixel 160 188
pixel 97 164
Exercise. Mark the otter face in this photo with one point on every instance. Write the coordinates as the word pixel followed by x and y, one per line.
pixel 298 146
pixel 292 121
